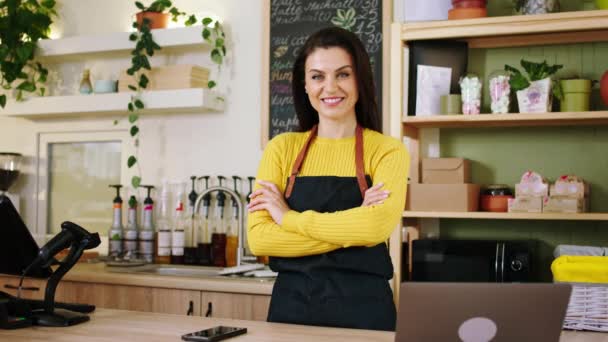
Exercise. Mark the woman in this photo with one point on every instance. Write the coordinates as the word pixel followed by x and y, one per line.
pixel 314 211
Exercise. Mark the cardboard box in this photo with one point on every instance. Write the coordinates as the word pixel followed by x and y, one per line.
pixel 526 205
pixel 565 205
pixel 445 171
pixel 443 197
pixel 169 77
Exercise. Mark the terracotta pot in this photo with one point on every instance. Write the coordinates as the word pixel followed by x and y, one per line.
pixel 158 20
pixel 604 88
pixel 469 3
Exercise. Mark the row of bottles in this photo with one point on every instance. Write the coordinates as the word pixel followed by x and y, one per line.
pixel 208 236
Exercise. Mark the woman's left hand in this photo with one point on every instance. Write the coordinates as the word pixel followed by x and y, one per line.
pixel 269 198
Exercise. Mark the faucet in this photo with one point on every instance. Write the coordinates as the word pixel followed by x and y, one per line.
pixel 240 251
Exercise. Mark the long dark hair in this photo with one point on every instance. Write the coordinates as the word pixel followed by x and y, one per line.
pixel 366 107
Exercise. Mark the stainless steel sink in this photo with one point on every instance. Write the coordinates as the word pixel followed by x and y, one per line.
pixel 182 271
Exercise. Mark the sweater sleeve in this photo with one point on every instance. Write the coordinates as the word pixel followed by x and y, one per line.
pixel 361 226
pixel 264 236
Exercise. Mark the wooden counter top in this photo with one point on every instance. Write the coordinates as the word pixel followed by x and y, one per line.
pixel 117 325
pixel 99 273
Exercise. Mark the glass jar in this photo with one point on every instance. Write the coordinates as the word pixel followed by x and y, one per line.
pixel 537 6
pixel 470 89
pixel 500 91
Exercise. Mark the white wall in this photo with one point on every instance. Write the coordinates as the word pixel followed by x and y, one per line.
pixel 172 146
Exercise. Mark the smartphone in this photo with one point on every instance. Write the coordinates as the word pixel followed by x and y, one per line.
pixel 214 334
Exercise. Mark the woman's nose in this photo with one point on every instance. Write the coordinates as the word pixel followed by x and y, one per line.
pixel 331 84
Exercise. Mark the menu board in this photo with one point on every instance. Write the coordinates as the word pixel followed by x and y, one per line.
pixel 290 24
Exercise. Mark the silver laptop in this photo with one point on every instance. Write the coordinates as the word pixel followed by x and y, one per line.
pixel 481 312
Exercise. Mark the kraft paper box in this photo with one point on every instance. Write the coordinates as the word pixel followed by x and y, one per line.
pixel 445 171
pixel 531 190
pixel 442 197
pixel 526 205
pixel 565 205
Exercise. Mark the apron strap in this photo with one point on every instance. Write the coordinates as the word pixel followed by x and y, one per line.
pixel 359 165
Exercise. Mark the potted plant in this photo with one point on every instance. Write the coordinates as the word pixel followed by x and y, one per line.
pixel 535 92
pixel 536 6
pixel 22 25
pixel 576 93
pixel 145 47
pixel 155 13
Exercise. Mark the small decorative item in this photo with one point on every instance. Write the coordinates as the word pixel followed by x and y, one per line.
pixel 85 83
pixel 500 92
pixel 535 92
pixel 470 88
pixel 604 88
pixel 450 104
pixel 104 86
pixel 466 9
pixel 155 13
pixel 495 198
pixel 576 95
pixel 536 6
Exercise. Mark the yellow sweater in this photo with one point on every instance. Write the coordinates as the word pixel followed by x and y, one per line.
pixel 309 233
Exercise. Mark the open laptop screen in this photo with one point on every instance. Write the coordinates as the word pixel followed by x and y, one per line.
pixel 17 246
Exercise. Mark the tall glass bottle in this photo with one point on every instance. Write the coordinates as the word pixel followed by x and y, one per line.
pixel 130 232
pixel 163 237
pixel 204 229
pixel 232 228
pixel 179 224
pixel 191 228
pixel 146 233
pixel 115 232
pixel 218 238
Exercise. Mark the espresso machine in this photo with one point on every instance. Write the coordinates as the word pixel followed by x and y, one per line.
pixel 9 172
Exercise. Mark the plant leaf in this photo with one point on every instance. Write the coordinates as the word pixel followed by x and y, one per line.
pixel 139 104
pixel 143 81
pixel 140 5
pixel 211 84
pixel 131 108
pixel 133 37
pixel 131 161
pixel 135 181
pixel 133 118
pixel 27 86
pixel 115 122
pixel 134 130
pixel 191 20
pixel 206 34
pixel 350 14
pixel 216 56
pixel 219 42
pixel 132 87
pixel 207 21
pixel 2 101
pixel 340 14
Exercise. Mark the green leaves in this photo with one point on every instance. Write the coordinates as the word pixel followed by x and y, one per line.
pixel 134 130
pixel 206 34
pixel 2 101
pixel 191 21
pixel 138 104
pixel 133 118
pixel 132 87
pixel 140 5
pixel 143 81
pixel 345 19
pixel 211 84
pixel 27 86
pixel 131 161
pixel 535 71
pixel 135 181
pixel 206 21
pixel 216 56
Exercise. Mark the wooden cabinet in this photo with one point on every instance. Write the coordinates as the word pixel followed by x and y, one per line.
pixel 236 306
pixel 494 32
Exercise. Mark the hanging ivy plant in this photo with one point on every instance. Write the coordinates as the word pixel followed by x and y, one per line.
pixel 145 47
pixel 22 24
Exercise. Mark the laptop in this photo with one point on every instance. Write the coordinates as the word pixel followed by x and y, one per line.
pixel 481 312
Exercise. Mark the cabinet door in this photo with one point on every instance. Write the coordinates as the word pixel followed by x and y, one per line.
pixel 235 306
pixel 136 298
pixel 31 289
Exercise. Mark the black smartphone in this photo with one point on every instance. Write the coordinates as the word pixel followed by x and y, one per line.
pixel 214 334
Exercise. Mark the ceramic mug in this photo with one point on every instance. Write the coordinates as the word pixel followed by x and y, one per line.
pixel 104 86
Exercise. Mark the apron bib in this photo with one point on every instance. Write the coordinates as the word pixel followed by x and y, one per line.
pixel 347 287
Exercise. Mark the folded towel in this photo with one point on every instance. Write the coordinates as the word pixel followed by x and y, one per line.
pixel 578 250
pixel 580 269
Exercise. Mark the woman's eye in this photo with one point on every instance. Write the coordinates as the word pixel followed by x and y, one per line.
pixel 343 75
pixel 317 77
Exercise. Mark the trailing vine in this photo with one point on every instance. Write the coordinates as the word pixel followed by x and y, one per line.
pixel 145 47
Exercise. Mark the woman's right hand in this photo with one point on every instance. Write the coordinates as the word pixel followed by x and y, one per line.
pixel 375 195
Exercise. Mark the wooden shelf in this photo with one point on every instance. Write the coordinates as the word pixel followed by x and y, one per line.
pixel 508 120
pixel 508 216
pixel 193 100
pixel 518 30
pixel 78 47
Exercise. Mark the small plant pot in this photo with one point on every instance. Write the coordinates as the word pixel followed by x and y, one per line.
pixel 536 98
pixel 604 88
pixel 158 20
pixel 576 95
pixel 540 6
pixel 601 4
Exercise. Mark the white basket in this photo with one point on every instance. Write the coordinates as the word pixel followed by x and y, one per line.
pixel 588 308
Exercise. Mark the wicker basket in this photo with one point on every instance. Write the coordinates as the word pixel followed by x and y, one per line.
pixel 588 308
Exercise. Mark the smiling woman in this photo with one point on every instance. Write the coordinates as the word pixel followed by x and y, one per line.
pixel 329 196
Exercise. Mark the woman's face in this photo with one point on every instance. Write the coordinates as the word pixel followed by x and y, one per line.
pixel 331 83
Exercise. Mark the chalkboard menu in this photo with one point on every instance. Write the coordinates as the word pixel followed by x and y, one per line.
pixel 291 22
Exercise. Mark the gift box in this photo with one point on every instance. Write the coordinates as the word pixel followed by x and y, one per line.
pixel 569 186
pixel 565 205
pixel 526 205
pixel 445 171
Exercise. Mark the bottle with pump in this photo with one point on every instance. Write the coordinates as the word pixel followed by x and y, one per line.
pixel 232 231
pixel 204 233
pixel 163 237
pixel 115 232
pixel 146 233
pixel 218 238
pixel 191 228
pixel 178 233
pixel 129 243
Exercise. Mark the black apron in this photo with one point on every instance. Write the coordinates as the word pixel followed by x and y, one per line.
pixel 347 287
